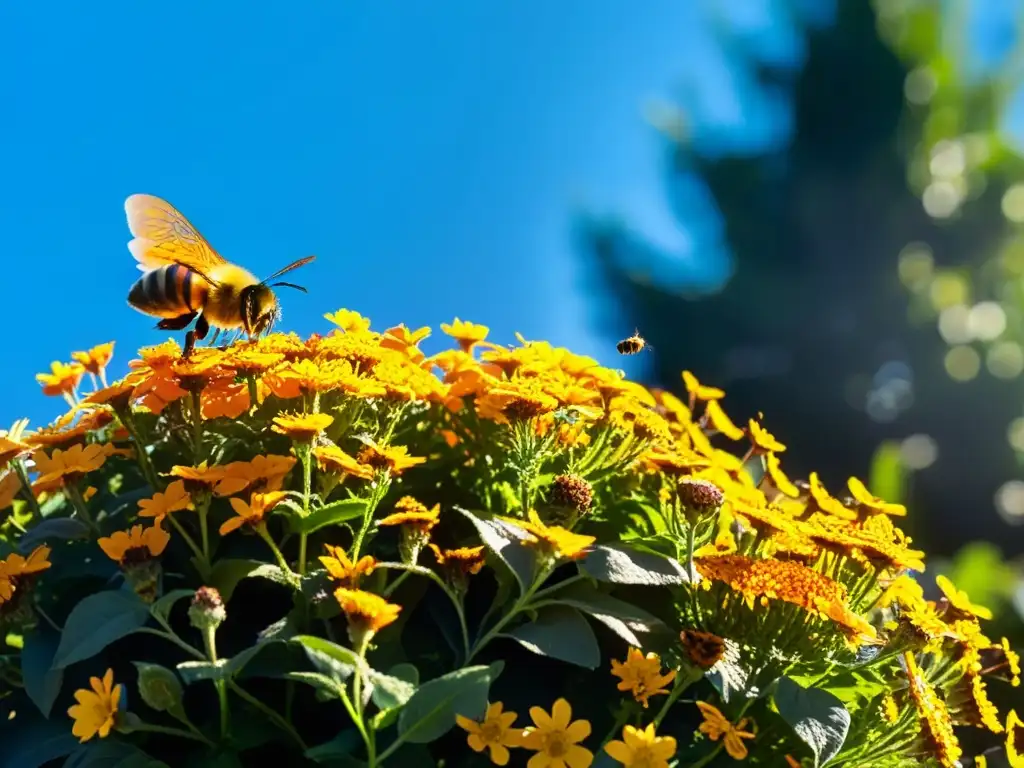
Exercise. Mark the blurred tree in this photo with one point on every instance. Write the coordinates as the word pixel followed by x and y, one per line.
pixel 811 326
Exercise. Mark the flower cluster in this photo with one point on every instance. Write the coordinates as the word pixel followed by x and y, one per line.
pixel 371 533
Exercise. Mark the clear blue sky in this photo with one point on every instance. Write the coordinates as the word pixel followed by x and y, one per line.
pixel 430 154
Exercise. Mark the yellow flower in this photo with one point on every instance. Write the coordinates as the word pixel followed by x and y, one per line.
pixel 224 399
pixel 395 458
pixel 720 421
pixel 343 570
pixel 201 477
pixel 642 748
pixel 413 513
pixel 468 335
pixel 826 502
pixel 62 379
pixel 61 435
pixel 890 711
pixel 494 733
pixel 716 726
pixel 903 590
pixel 96 359
pixel 641 675
pixel 553 539
pixel 1002 659
pixel 698 391
pixel 348 320
pixel 763 440
pixel 871 502
pixel 302 427
pixel 135 545
pixel 331 458
pixel 11 448
pixel 62 466
pixel 10 487
pixel 96 710
pixel 365 610
pixel 466 560
pixel 774 468
pixel 251 514
pixel 174 499
pixel 959 600
pixel 704 649
pixel 14 568
pixel 936 729
pixel 263 473
pixel 1014 740
pixel 556 739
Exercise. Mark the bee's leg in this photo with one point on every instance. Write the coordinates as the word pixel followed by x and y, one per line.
pixel 202 328
pixel 213 339
pixel 176 323
pixel 190 344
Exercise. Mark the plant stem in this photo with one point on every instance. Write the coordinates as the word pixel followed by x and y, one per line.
pixel 518 606
pixel 210 641
pixel 174 639
pixel 264 534
pixel 682 683
pixel 168 730
pixel 302 553
pixel 383 483
pixel 202 511
pixel 281 723
pixel 145 463
pixel 691 570
pixel 26 487
pixel 204 569
pixel 80 507
pixel 357 720
pixel 197 428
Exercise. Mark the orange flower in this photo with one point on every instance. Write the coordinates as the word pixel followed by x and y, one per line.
pixel 342 569
pixel 62 466
pixel 96 710
pixel 330 458
pixel 251 514
pixel 394 458
pixel 198 477
pixel 15 565
pixel 716 725
pixel 468 335
pixel 413 513
pixel 224 398
pixel 263 473
pixel 10 487
pixel 135 545
pixel 11 448
pixel 494 733
pixel 641 675
pixel 366 611
pixel 61 435
pixel 174 499
pixel 62 379
pixel 302 427
pixel 96 359
pixel 401 338
pixel 466 560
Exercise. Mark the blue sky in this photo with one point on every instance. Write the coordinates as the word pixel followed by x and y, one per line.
pixel 431 155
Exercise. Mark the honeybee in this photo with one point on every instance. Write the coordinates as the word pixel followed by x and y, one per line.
pixel 186 279
pixel 632 345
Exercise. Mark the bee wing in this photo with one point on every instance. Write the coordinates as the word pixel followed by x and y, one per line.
pixel 163 236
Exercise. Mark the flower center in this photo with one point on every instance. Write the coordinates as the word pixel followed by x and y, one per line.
pixel 491 732
pixel 556 745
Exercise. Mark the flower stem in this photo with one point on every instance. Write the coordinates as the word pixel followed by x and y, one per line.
pixel 371 506
pixel 501 623
pixel 204 565
pixel 210 642
pixel 80 507
pixel 682 683
pixel 168 730
pixel 691 570
pixel 264 534
pixel 145 463
pixel 174 639
pixel 302 553
pixel 197 427
pixel 26 487
pixel 203 510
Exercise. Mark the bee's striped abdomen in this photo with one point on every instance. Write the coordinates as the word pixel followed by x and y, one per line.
pixel 169 291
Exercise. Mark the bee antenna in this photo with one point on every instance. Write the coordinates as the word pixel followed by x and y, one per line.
pixel 289 285
pixel 289 268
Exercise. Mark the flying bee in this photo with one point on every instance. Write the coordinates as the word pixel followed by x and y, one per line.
pixel 632 345
pixel 186 279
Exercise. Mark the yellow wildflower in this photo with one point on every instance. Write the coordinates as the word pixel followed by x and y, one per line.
pixel 553 539
pixel 96 359
pixel 762 440
pixel 394 458
pixel 302 427
pixel 251 513
pixel 959 601
pixel 331 458
pixel 556 738
pixel 10 487
pixel 716 725
pixel 468 335
pixel 341 568
pixel 641 748
pixel 174 499
pixel 869 501
pixel 698 391
pixel 412 513
pixel 774 469
pixel 641 675
pixel 365 610
pixel 936 729
pixel 62 466
pixel 494 733
pixel 62 379
pixel 96 710
pixel 135 545
pixel 348 320
pixel 721 422
pixel 1014 740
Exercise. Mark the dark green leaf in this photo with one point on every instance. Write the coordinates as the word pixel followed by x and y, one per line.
pixel 331 514
pixel 42 682
pixel 338 751
pixel 620 617
pixel 430 713
pixel 504 541
pixel 96 622
pixel 331 659
pixel 111 754
pixel 161 608
pixel 38 743
pixel 561 633
pixel 159 687
pixel 817 717
pixel 226 574
pixel 623 565
pixel 194 671
pixel 63 528
pixel 327 687
pixel 395 688
pixel 731 676
pixel 270 572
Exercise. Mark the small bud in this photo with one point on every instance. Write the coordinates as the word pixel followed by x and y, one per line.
pixel 159 687
pixel 700 497
pixel 572 492
pixel 207 609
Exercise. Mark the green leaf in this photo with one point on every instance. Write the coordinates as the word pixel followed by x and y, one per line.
pixel 395 688
pixel 159 687
pixel 504 541
pixel 731 676
pixel 226 574
pixel 561 633
pixel 620 617
pixel 817 717
pixel 194 671
pixel 623 565
pixel 63 528
pixel 37 743
pixel 331 659
pixel 42 682
pixel 327 687
pixel 330 514
pixel 430 713
pixel 96 622
pixel 338 750
pixel 161 608
pixel 111 754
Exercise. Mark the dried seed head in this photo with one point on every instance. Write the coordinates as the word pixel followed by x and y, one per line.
pixel 700 497
pixel 571 492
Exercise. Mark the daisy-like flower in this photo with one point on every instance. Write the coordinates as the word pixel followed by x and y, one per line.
pixel 762 440
pixel 394 458
pixel 251 513
pixel 556 738
pixel 348 320
pixel 468 335
pixel 773 470
pixel 959 602
pixel 62 380
pixel 366 612
pixel 716 726
pixel 721 421
pixel 698 391
pixel 494 733
pixel 341 568
pixel 826 502
pixel 96 710
pixel 303 427
pixel 15 570
pixel 641 675
pixel 63 466
pixel 642 748
pixel 554 541
pixel 95 360
pixel 869 502
pixel 136 545
pixel 1002 662
pixel 330 458
pixel 10 487
pixel 11 448
pixel 174 499
pixel 262 474
pixel 409 511
pixel 464 561
pixel 200 478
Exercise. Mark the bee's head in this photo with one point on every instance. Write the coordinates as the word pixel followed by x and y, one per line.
pixel 259 309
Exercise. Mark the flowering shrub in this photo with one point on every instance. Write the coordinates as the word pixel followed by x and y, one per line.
pixel 321 552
